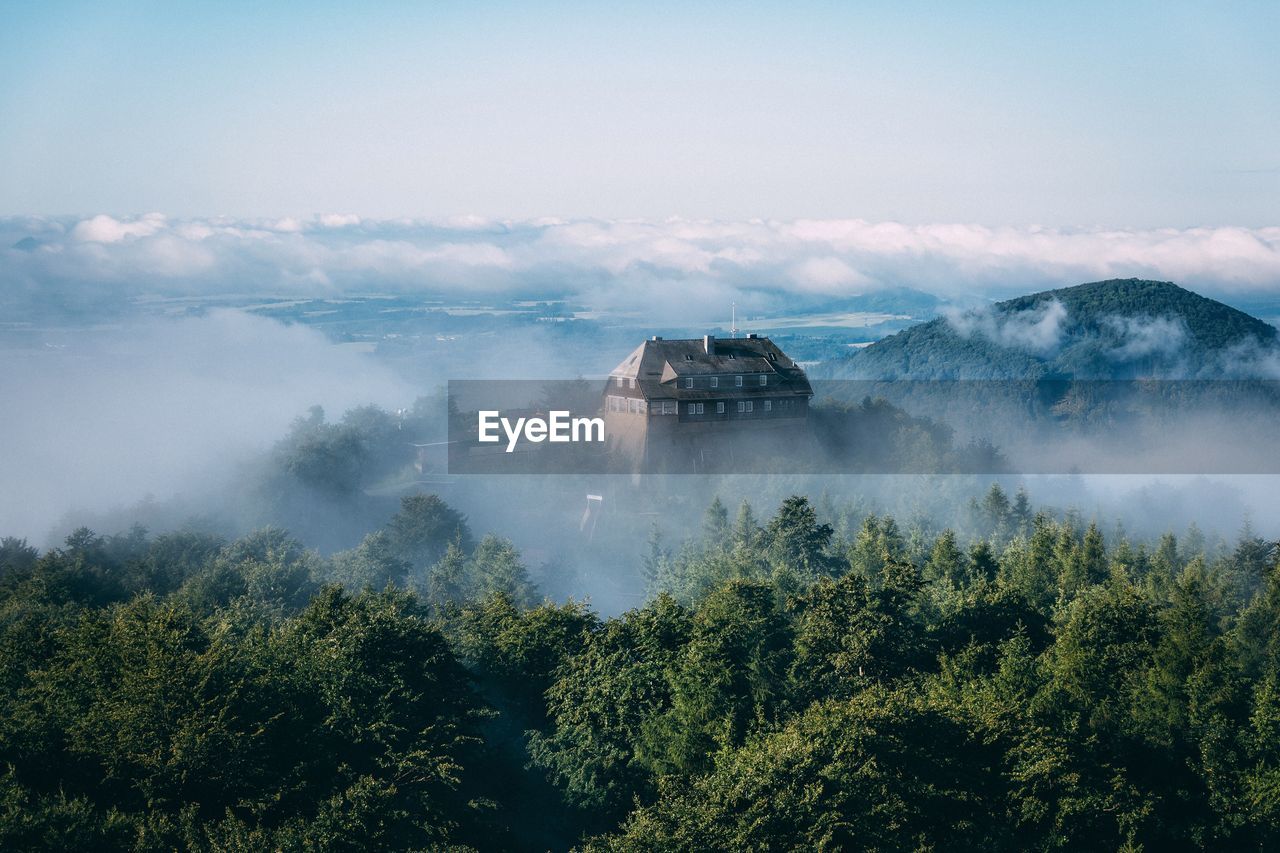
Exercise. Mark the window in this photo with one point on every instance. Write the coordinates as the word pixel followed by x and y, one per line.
pixel 688 383
pixel 693 408
pixel 632 381
pixel 737 380
pixel 619 379
pixel 742 407
pixel 768 405
pixel 732 356
pixel 715 381
pixel 764 379
pixel 750 405
pixel 699 408
pixel 633 405
pixel 719 408
pixel 668 407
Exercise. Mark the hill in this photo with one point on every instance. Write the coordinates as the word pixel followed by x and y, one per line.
pixel 1121 328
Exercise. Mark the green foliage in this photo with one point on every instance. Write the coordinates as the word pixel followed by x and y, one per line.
pixel 424 527
pixel 1023 684
pixel 602 704
pixel 886 770
pixel 150 725
pixel 938 350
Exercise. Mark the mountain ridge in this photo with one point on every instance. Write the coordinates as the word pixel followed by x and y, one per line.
pixel 1116 328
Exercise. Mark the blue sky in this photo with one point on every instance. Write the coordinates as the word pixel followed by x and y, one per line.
pixel 1140 115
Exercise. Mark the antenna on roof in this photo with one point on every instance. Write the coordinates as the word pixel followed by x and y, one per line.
pixel 733 322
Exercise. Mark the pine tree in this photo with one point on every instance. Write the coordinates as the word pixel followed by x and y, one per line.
pixel 982 562
pixel 715 525
pixel 946 564
pixel 1093 554
pixel 746 531
pixel 652 560
pixel 995 510
pixel 1020 516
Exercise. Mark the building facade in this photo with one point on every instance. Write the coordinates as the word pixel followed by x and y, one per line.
pixel 681 404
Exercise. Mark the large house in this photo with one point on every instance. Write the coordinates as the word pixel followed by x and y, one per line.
pixel 683 404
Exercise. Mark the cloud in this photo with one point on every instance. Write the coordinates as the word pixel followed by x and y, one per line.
pixel 1143 337
pixel 828 274
pixel 338 220
pixel 1037 330
pixel 761 263
pixel 106 229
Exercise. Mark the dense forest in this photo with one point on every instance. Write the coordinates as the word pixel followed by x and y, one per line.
pixel 805 679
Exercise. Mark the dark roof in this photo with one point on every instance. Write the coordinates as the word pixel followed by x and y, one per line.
pixel 659 365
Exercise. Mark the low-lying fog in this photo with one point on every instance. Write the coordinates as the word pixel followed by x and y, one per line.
pixel 106 406
pixel 161 407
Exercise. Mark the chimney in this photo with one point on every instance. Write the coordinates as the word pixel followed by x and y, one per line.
pixel 752 336
pixel 657 337
pixel 709 344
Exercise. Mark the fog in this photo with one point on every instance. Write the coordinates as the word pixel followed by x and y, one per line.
pixel 117 412
pixel 162 407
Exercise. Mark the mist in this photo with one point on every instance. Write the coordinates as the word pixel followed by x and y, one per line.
pixel 141 397
pixel 163 408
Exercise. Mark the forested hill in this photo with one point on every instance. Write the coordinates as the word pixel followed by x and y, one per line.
pixel 1121 328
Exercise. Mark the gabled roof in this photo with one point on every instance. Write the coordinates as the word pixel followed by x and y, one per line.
pixel 658 365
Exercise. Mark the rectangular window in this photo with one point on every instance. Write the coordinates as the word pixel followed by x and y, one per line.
pixel 668 408
pixel 715 381
pixel 699 408
pixel 768 405
pixel 632 381
pixel 737 380
pixel 619 379
pixel 719 408
pixel 750 405
pixel 742 407
pixel 688 383
pixel 764 379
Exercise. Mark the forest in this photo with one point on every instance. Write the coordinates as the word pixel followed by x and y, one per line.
pixel 1114 329
pixel 797 677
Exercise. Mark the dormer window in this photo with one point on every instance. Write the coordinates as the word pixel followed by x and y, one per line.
pixel 764 379
pixel 688 383
pixel 737 381
pixel 715 381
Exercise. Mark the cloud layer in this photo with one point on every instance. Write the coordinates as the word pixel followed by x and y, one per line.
pixel 617 264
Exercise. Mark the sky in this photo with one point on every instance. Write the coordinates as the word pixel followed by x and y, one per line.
pixel 1081 115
